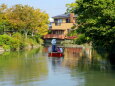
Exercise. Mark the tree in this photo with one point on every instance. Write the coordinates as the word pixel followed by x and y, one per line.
pixel 71 7
pixel 3 19
pixel 27 19
pixel 96 19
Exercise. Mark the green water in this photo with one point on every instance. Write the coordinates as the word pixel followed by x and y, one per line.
pixel 35 68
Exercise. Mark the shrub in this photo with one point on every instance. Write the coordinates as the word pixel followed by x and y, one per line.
pixel 15 44
pixel 17 41
pixel 5 39
pixel 6 47
pixel 17 36
pixel 8 42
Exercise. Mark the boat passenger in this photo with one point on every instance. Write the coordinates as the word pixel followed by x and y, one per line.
pixel 58 49
pixel 61 50
pixel 53 45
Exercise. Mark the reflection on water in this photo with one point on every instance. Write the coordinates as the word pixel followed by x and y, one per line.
pixel 78 67
pixel 20 67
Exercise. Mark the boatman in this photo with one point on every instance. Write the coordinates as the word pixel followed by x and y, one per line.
pixel 53 45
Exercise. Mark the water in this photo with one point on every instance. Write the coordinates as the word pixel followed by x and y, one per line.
pixel 78 67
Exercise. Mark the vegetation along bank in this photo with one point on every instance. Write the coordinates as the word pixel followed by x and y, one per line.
pixel 21 26
pixel 95 23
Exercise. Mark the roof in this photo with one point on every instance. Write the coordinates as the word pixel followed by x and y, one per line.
pixel 64 16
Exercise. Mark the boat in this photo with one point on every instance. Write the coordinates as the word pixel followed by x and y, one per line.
pixel 55 54
pixel 55 51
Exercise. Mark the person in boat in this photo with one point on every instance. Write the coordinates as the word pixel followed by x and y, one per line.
pixel 58 49
pixel 53 42
pixel 61 50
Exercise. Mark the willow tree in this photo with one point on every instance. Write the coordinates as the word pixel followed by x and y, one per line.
pixel 96 19
pixel 27 19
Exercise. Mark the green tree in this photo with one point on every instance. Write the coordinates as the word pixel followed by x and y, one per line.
pixel 71 7
pixel 27 19
pixel 23 26
pixel 96 19
pixel 3 19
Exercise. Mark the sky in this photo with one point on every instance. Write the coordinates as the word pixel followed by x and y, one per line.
pixel 52 7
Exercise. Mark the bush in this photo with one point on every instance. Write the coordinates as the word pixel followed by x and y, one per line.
pixel 18 36
pixel 17 41
pixel 5 39
pixel 30 41
pixel 15 44
pixel 6 47
pixel 37 39
pixel 8 42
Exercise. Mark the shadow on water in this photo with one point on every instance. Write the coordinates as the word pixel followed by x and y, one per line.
pixel 108 54
pixel 112 60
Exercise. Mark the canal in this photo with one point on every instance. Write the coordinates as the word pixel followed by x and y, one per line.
pixel 78 67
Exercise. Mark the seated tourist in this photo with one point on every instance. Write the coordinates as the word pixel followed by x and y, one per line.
pixel 58 49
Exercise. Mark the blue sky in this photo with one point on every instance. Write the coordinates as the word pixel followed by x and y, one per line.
pixel 52 7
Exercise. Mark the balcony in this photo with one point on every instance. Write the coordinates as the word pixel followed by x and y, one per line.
pixel 57 36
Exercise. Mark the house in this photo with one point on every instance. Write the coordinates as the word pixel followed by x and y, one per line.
pixel 61 26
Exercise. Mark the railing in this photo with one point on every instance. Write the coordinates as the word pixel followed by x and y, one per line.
pixel 70 37
pixel 57 36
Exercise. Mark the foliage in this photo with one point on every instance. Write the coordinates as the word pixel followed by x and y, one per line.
pixel 27 19
pixel 30 41
pixel 5 39
pixel 38 39
pixel 6 47
pixel 82 39
pixel 18 36
pixel 17 41
pixel 8 42
pixel 3 7
pixel 23 25
pixel 72 33
pixel 71 7
pixel 96 19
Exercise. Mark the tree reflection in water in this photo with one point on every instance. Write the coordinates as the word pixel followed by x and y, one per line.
pixel 23 67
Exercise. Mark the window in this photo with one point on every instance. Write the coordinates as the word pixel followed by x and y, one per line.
pixel 67 20
pixel 58 22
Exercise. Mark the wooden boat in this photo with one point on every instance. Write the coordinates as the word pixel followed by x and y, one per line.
pixel 55 54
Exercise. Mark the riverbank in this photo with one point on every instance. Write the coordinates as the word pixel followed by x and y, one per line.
pixel 18 42
pixel 2 50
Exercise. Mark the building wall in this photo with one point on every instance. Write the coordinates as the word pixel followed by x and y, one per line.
pixel 60 27
pixel 63 26
pixel 64 20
